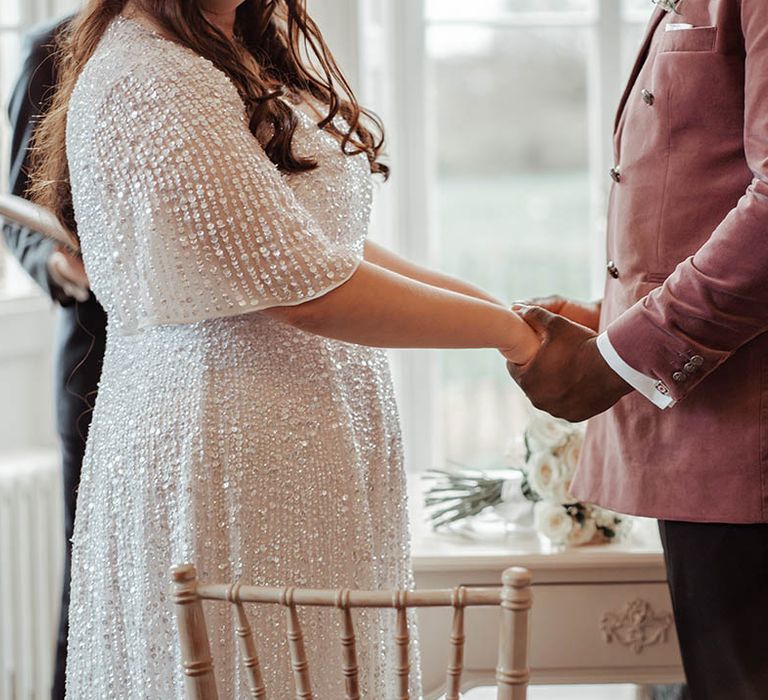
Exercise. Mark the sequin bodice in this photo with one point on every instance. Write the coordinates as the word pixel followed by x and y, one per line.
pixel 181 214
pixel 220 436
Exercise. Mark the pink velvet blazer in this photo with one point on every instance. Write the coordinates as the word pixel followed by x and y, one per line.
pixel 686 299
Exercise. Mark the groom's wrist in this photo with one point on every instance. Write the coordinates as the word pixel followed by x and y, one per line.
pixel 645 385
pixel 613 382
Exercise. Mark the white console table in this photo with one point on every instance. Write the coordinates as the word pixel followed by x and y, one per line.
pixel 601 614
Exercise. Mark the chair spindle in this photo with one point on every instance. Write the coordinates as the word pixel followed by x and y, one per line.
pixel 247 644
pixel 512 672
pixel 348 647
pixel 402 641
pixel 199 680
pixel 456 660
pixel 299 662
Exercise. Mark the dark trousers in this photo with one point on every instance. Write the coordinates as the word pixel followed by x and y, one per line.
pixel 718 578
pixel 72 459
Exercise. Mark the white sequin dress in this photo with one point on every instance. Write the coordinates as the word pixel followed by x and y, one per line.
pixel 219 436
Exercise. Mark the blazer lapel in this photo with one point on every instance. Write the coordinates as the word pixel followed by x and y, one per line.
pixel 656 18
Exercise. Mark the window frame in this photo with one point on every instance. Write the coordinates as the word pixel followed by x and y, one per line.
pixel 30 13
pixel 393 80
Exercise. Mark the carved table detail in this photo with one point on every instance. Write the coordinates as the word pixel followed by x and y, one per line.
pixel 573 589
pixel 636 626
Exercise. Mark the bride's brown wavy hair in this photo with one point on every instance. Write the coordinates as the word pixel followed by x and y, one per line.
pixel 279 34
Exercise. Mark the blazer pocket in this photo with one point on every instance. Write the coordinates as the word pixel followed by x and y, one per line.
pixel 657 278
pixel 696 39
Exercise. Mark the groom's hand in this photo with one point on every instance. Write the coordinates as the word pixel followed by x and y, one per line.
pixel 568 377
pixel 586 313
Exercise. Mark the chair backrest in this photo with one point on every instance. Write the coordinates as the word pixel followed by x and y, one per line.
pixel 513 599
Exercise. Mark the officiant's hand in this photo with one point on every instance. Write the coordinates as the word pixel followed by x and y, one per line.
pixel 587 313
pixel 568 377
pixel 67 272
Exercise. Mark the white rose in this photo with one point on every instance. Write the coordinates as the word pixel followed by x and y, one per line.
pixel 546 433
pixel 545 475
pixel 582 534
pixel 561 492
pixel 604 517
pixel 570 454
pixel 552 521
pixel 608 519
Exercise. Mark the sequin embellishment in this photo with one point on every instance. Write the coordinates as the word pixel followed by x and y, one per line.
pixel 221 436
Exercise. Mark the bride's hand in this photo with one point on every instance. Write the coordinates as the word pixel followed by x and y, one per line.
pixel 526 344
pixel 584 313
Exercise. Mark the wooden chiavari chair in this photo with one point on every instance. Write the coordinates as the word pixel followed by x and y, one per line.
pixel 513 599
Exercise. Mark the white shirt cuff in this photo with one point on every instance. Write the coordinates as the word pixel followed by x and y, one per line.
pixel 651 388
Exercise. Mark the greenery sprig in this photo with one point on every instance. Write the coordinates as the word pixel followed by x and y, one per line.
pixel 455 496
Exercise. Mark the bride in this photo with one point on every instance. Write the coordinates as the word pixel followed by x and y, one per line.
pixel 245 419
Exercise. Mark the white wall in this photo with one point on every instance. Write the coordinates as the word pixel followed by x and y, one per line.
pixel 26 396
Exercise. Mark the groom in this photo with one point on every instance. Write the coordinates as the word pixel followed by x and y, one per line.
pixel 678 348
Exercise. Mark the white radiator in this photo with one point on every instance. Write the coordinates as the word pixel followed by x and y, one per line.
pixel 31 558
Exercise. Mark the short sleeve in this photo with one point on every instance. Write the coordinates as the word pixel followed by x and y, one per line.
pixel 216 228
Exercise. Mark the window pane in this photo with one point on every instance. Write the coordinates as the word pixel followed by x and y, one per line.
pixel 9 66
pixel 10 12
pixel 63 7
pixel 549 5
pixel 638 9
pixel 490 9
pixel 631 40
pixel 509 107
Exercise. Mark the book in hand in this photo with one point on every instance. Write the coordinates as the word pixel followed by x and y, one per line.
pixel 36 218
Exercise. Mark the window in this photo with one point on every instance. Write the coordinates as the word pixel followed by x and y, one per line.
pixel 11 23
pixel 16 17
pixel 500 116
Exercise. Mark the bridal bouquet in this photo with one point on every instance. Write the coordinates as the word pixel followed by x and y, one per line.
pixel 551 454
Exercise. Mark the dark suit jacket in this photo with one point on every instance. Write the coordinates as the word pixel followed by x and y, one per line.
pixel 81 332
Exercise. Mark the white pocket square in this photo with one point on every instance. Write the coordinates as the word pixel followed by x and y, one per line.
pixel 677 27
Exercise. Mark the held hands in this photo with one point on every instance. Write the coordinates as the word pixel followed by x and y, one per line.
pixel 585 313
pixel 529 342
pixel 67 271
pixel 568 376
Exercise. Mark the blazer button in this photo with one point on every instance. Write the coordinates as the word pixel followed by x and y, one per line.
pixel 679 377
pixel 648 97
pixel 616 174
pixel 613 271
pixel 697 360
pixel 690 368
